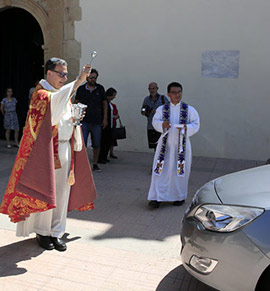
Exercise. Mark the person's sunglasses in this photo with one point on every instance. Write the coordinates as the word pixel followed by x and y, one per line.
pixel 61 75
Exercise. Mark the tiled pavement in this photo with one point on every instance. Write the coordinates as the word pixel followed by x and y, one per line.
pixel 122 245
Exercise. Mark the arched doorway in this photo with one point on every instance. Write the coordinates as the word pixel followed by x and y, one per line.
pixel 21 57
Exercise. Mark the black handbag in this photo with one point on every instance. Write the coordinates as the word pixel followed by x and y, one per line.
pixel 119 132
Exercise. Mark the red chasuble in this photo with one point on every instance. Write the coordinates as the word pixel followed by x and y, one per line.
pixel 31 187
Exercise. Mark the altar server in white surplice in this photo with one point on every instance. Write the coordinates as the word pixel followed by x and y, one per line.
pixel 177 121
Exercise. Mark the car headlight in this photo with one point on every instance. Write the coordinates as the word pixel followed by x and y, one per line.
pixel 226 218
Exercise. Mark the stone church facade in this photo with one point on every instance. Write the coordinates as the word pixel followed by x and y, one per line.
pixel 56 20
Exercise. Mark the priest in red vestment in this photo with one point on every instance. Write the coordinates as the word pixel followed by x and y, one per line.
pixel 51 174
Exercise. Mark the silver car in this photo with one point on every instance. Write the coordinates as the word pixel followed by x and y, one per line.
pixel 226 232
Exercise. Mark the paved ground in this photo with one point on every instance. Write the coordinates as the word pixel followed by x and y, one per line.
pixel 121 245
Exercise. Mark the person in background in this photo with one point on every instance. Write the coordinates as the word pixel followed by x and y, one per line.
pixel 8 109
pixel 31 90
pixel 93 95
pixel 115 117
pixel 150 104
pixel 107 137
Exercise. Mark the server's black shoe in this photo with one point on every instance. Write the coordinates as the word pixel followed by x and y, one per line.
pixel 154 204
pixel 178 203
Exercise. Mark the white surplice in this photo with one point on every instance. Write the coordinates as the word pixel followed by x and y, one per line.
pixel 169 186
pixel 53 222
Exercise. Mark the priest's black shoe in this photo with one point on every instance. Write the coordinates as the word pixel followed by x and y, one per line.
pixel 59 244
pixel 178 203
pixel 45 242
pixel 154 204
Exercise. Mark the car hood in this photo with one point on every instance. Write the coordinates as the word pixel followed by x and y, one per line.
pixel 249 187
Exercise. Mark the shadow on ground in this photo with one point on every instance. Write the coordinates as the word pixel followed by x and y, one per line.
pixel 12 254
pixel 179 279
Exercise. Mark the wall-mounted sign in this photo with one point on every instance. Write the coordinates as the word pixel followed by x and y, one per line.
pixel 220 64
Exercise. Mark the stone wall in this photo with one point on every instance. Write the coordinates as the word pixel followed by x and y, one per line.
pixel 56 19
